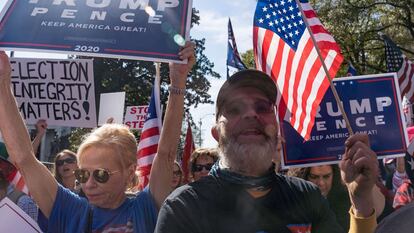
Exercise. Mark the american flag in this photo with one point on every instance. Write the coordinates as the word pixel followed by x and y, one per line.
pixel 189 147
pixel 233 56
pixel 351 70
pixel 283 48
pixel 14 177
pixel 398 62
pixel 150 135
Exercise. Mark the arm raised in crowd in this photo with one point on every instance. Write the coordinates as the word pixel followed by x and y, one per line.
pixel 162 166
pixel 42 185
pixel 359 169
pixel 41 127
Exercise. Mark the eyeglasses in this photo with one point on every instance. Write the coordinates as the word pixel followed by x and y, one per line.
pixel 177 173
pixel 236 108
pixel 100 175
pixel 199 167
pixel 60 162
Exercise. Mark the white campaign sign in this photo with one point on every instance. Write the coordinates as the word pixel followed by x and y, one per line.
pixel 60 91
pixel 15 220
pixel 111 105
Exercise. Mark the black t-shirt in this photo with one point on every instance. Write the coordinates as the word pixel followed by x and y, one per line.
pixel 213 205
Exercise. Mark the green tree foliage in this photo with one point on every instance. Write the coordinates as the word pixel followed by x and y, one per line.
pixel 137 77
pixel 248 59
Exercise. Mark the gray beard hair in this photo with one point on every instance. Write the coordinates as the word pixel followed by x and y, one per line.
pixel 247 159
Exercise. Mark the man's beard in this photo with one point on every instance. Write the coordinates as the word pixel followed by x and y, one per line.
pixel 253 159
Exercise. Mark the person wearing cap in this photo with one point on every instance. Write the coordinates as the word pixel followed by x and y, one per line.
pixel 107 165
pixel 244 194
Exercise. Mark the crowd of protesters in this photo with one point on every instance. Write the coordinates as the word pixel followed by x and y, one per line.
pixel 233 188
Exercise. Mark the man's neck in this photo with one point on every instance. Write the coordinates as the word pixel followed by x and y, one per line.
pixel 257 192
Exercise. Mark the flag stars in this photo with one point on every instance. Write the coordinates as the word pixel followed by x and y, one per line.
pixel 290 8
pixel 290 34
pixel 300 22
pixel 261 20
pixel 289 26
pixel 270 24
pixel 267 16
pixel 292 16
pixel 284 11
pixel 296 32
pixel 274 13
pixel 282 3
pixel 276 21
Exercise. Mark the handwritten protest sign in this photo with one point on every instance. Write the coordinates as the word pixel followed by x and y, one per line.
pixel 135 116
pixel 150 30
pixel 15 220
pixel 60 91
pixel 373 106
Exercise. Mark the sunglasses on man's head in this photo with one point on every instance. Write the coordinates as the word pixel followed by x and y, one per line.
pixel 60 162
pixel 101 175
pixel 199 167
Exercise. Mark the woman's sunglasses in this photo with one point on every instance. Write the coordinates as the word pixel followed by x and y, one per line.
pixel 60 162
pixel 100 175
pixel 199 167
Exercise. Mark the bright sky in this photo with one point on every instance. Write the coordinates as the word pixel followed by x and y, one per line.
pixel 214 16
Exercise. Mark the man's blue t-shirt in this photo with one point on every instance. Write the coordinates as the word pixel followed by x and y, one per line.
pixel 70 213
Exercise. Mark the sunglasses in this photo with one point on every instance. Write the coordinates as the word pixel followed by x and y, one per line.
pixel 101 175
pixel 60 162
pixel 237 108
pixel 199 167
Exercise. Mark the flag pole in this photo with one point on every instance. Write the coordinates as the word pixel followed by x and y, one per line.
pixel 157 82
pixel 335 93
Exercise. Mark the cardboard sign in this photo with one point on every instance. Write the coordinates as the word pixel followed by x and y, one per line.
pixel 135 116
pixel 60 91
pixel 373 106
pixel 15 220
pixel 111 105
pixel 150 30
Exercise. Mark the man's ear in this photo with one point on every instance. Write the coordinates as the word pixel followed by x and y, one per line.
pixel 215 132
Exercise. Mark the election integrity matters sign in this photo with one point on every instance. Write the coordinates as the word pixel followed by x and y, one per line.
pixel 135 29
pixel 373 106
pixel 60 91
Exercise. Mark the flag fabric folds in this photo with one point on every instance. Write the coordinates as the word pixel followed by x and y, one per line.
pixel 284 49
pixel 233 56
pixel 150 135
pixel 13 176
pixel 398 62
pixel 189 147
pixel 351 70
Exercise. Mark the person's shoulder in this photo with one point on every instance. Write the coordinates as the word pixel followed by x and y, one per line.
pixel 201 188
pixel 399 221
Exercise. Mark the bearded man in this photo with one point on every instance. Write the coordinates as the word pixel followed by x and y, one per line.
pixel 243 193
